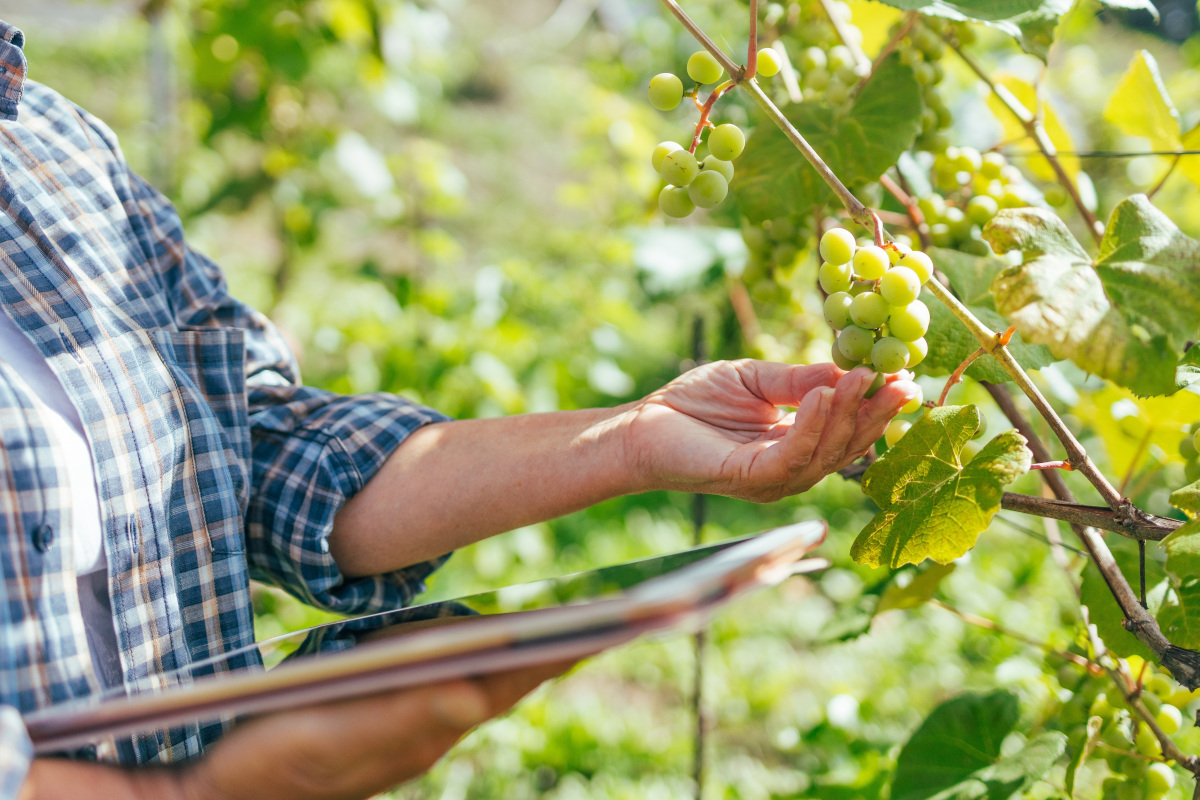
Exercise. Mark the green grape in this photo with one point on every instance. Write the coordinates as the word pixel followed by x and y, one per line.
pixel 939 234
pixel 662 151
pixel 856 343
pixel 714 164
pixel 1160 779
pixel 835 277
pixel 960 226
pixel 840 56
pixel 917 351
pixel 909 323
pixel 991 164
pixel 889 355
pixel 981 209
pixel 1159 685
pixel 840 359
pixel 708 189
pixel 666 90
pixel 1129 791
pixel 1102 708
pixel 1187 448
pixel 1146 742
pixel 1196 439
pixel 1011 199
pixel 1132 768
pixel 982 430
pixel 813 58
pixel 869 310
pixel 679 168
pixel 895 431
pixel 702 67
pixel 837 310
pixel 768 62
pixel 924 73
pixel 1169 719
pixel 837 93
pixel 897 251
pixel 875 386
pixel 784 254
pixel 837 246
pixel 899 286
pixel 1191 470
pixel 969 451
pixel 726 142
pixel 919 263
pixel 968 160
pixel 817 79
pixel 782 229
pixel 674 202
pixel 914 405
pixel 871 262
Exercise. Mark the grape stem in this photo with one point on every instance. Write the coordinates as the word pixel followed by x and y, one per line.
pixel 1063 465
pixel 910 207
pixel 706 110
pixel 752 43
pixel 956 376
pixel 1036 131
pixel 910 20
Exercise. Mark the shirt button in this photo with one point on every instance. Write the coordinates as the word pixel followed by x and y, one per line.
pixel 43 537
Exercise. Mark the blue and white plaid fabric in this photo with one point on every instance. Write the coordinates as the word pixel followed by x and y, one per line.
pixel 213 464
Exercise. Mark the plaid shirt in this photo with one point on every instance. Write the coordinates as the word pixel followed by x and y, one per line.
pixel 213 464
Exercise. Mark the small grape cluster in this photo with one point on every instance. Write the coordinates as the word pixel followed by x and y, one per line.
pixel 831 72
pixel 776 243
pixel 692 183
pixel 873 303
pixel 1189 448
pixel 976 186
pixel 922 50
pixel 1130 748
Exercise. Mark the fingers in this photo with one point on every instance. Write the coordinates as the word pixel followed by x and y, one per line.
pixel 801 438
pixel 874 415
pixel 785 384
pixel 842 419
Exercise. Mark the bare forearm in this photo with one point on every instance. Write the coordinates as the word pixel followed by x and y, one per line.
pixel 52 779
pixel 454 483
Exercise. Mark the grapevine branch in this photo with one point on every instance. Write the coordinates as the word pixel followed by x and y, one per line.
pixel 1183 664
pixel 1036 131
pixel 1148 528
pixel 910 207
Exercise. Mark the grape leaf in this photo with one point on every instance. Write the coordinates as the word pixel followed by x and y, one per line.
pixel 1188 371
pixel 1108 316
pixel 932 504
pixel 1025 94
pixel 1140 105
pixel 1103 610
pixel 917 591
pixel 1180 620
pixel 858 144
pixel 956 752
pixel 1187 499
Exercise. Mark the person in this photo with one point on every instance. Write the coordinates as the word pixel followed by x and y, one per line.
pixel 158 450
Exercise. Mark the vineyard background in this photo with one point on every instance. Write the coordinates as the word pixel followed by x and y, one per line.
pixel 453 200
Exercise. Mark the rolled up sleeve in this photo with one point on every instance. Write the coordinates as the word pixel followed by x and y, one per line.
pixel 16 753
pixel 311 452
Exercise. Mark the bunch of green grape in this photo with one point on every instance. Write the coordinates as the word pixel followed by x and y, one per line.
pixel 775 244
pixel 873 303
pixel 1189 448
pixel 692 183
pixel 974 186
pixel 922 50
pixel 1130 748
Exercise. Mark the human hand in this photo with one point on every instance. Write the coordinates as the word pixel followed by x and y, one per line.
pixel 718 429
pixel 356 748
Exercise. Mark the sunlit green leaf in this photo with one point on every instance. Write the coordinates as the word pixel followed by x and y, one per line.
pixel 1140 105
pixel 859 145
pixel 1109 316
pixel 956 752
pixel 932 504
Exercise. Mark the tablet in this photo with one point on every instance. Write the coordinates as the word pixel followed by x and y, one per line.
pixel 549 621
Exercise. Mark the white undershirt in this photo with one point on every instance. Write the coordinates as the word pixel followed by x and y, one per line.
pixel 85 536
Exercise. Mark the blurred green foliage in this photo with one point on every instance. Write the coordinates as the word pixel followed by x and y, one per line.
pixel 451 199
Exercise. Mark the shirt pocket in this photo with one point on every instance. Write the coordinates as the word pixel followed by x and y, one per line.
pixel 208 369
